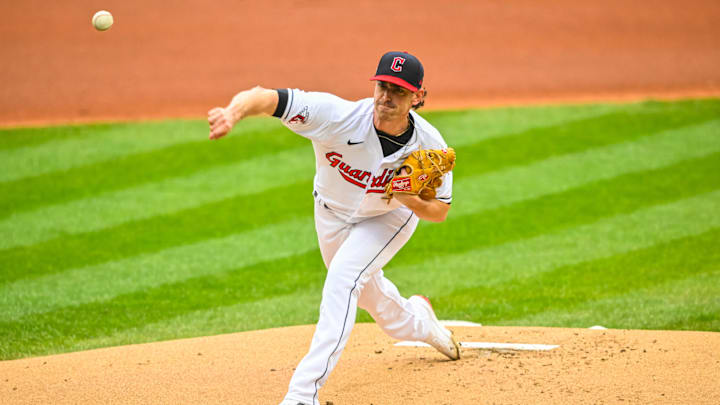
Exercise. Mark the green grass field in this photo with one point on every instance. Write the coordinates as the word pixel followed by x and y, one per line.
pixel 562 216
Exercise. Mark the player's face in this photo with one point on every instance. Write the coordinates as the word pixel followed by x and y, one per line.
pixel 392 101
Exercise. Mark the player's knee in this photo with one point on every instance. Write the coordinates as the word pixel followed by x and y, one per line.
pixel 337 279
pixel 343 277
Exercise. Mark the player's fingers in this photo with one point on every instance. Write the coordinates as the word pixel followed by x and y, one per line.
pixel 215 135
pixel 213 131
pixel 219 121
pixel 214 115
pixel 214 111
pixel 218 131
pixel 220 134
pixel 220 124
pixel 217 114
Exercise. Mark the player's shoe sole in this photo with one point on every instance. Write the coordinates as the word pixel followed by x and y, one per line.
pixel 440 337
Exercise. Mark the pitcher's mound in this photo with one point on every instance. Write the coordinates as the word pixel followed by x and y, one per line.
pixel 589 366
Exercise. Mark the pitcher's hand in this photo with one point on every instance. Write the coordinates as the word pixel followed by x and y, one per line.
pixel 221 122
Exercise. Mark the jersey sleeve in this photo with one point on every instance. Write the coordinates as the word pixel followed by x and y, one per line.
pixel 309 114
pixel 444 192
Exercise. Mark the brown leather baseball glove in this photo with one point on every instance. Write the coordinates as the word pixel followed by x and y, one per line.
pixel 423 172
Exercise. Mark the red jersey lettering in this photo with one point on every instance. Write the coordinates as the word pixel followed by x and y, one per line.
pixel 356 177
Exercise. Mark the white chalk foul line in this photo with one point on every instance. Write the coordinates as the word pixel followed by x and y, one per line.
pixel 487 345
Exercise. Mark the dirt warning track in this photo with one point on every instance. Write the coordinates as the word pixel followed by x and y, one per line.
pixel 160 61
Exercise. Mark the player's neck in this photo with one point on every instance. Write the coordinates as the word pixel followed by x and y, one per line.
pixel 392 127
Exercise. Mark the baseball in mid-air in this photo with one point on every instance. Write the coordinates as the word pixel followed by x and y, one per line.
pixel 102 20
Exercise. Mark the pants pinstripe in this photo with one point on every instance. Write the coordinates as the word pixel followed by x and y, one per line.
pixel 354 255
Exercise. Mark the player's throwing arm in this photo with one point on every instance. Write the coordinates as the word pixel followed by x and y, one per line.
pixel 255 101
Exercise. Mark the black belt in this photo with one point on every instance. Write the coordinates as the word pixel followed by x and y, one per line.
pixel 315 194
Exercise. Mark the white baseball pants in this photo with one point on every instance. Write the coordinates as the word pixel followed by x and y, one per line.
pixel 354 255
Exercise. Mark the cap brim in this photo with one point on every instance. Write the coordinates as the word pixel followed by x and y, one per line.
pixel 395 80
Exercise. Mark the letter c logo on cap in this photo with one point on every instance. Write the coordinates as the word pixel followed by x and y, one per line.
pixel 397 64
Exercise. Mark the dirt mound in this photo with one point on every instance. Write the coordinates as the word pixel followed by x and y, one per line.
pixel 589 366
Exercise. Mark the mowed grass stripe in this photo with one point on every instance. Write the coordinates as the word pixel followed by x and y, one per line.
pixel 629 193
pixel 135 169
pixel 92 320
pixel 208 221
pixel 665 306
pixel 462 127
pixel 472 195
pixel 703 319
pixel 466 127
pixel 568 287
pixel 282 276
pixel 28 136
pixel 297 308
pixel 211 185
pixel 571 137
pixel 96 136
pixel 647 308
pixel 108 280
pixel 30 152
pixel 498 264
pixel 158 198
pixel 61 148
pixel 483 191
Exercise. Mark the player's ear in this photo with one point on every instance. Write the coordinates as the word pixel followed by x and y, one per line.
pixel 419 98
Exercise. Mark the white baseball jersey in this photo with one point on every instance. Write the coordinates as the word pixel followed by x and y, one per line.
pixel 351 170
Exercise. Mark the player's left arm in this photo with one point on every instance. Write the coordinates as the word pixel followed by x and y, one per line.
pixel 434 209
pixel 431 210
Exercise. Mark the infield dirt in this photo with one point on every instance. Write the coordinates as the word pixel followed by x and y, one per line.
pixel 179 61
pixel 589 367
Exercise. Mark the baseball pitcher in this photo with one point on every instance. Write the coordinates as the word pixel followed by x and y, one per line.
pixel 380 168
